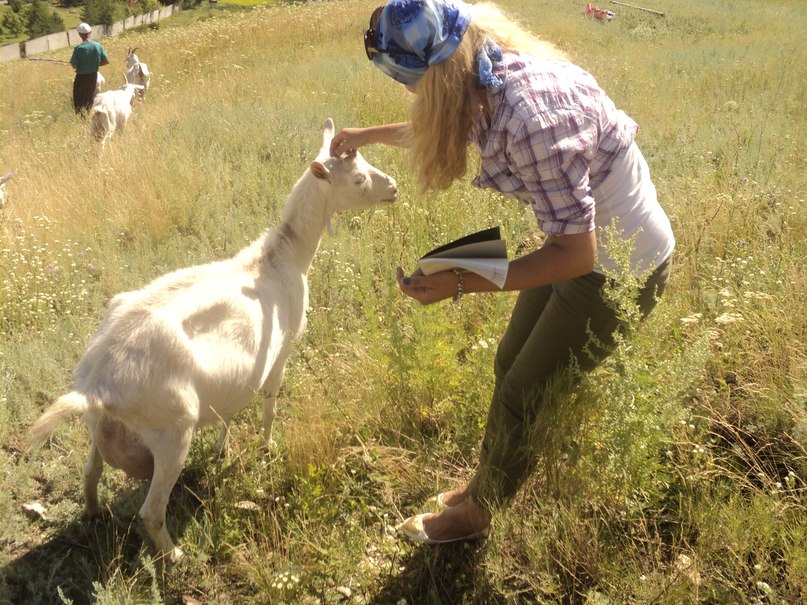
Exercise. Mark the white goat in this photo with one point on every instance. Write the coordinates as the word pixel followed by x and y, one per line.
pixel 110 111
pixel 100 82
pixel 3 195
pixel 137 73
pixel 193 346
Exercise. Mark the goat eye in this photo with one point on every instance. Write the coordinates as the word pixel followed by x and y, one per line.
pixel 360 178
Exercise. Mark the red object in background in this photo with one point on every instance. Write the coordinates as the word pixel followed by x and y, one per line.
pixel 599 13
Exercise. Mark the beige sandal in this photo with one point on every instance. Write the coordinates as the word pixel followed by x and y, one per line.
pixel 414 530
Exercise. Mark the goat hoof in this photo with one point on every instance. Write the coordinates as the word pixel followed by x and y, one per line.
pixel 271 449
pixel 176 555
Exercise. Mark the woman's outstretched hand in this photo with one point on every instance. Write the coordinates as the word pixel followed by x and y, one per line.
pixel 347 140
pixel 428 289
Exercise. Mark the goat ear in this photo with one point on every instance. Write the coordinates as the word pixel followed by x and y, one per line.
pixel 319 170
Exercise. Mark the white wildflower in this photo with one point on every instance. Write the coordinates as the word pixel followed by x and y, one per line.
pixel 765 587
pixel 728 318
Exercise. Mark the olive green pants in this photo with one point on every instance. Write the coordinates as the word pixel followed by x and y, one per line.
pixel 552 329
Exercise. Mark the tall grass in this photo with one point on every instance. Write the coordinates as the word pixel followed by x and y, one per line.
pixel 677 474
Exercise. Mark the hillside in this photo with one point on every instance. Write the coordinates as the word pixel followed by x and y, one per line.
pixel 678 472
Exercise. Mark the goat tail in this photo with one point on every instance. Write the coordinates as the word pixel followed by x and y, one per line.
pixel 99 122
pixel 67 405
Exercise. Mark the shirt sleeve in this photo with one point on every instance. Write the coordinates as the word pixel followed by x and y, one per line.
pixel 550 154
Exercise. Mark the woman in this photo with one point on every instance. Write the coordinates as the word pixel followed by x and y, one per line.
pixel 549 136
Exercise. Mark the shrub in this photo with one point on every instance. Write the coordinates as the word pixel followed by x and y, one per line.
pixel 41 21
pixel 103 12
pixel 13 24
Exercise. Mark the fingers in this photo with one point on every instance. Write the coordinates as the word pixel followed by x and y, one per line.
pixel 406 285
pixel 336 144
pixel 343 141
pixel 425 290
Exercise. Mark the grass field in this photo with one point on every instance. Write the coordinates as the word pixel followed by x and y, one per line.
pixel 678 472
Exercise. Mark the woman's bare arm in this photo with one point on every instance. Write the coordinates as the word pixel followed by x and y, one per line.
pixel 561 258
pixel 350 139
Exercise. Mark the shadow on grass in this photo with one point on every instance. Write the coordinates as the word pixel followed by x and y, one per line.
pixel 447 574
pixel 90 552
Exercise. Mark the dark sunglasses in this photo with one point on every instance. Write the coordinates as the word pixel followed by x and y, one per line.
pixel 369 38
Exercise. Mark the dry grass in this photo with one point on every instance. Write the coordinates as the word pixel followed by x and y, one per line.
pixel 682 479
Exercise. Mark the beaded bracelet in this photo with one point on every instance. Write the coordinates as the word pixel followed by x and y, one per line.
pixel 460 285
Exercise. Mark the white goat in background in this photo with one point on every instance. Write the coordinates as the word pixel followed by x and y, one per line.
pixel 110 111
pixel 100 82
pixel 137 73
pixel 3 195
pixel 193 346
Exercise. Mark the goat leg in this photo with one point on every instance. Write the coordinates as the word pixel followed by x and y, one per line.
pixel 269 392
pixel 92 474
pixel 170 448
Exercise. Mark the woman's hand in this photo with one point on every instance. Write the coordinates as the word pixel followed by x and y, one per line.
pixel 347 140
pixel 428 289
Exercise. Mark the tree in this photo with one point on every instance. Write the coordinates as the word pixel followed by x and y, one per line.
pixel 13 24
pixel 104 12
pixel 41 21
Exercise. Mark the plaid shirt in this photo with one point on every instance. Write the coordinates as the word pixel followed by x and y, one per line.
pixel 552 138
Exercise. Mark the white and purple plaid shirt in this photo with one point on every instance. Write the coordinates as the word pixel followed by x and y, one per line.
pixel 552 138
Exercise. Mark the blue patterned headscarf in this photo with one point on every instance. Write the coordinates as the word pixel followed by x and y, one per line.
pixel 426 31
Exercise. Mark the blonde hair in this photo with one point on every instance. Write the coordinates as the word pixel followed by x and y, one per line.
pixel 447 103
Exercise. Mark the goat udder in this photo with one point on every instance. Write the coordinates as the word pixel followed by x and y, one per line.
pixel 122 448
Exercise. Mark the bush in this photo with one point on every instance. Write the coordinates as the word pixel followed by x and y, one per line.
pixel 143 6
pixel 13 24
pixel 41 21
pixel 103 12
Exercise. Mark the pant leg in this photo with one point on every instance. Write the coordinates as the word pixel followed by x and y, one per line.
pixel 549 333
pixel 528 308
pixel 84 91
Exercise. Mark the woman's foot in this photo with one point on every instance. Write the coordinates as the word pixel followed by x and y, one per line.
pixel 464 521
pixel 447 499
pixel 453 497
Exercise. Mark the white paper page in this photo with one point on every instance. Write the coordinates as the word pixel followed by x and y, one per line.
pixel 492 269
